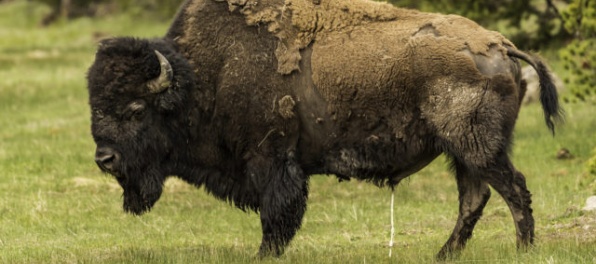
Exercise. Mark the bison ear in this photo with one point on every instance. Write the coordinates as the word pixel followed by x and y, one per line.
pixel 164 80
pixel 104 43
pixel 109 43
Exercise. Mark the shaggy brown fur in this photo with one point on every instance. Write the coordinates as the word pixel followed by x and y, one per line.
pixel 382 45
pixel 298 23
pixel 261 94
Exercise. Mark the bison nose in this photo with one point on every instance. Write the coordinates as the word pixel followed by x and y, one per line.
pixel 106 158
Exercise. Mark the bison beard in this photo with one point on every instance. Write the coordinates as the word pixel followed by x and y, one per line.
pixel 249 98
pixel 140 197
pixel 140 176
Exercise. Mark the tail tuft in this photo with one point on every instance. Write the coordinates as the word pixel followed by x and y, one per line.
pixel 548 91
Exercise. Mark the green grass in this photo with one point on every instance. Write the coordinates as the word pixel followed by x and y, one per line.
pixel 56 207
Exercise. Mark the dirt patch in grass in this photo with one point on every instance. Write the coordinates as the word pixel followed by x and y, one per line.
pixel 574 224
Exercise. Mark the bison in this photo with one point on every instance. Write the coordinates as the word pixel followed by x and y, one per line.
pixel 249 98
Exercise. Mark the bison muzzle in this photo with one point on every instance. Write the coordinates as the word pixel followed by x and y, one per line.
pixel 248 98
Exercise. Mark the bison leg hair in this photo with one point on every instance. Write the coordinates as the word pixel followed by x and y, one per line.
pixel 511 185
pixel 473 196
pixel 283 204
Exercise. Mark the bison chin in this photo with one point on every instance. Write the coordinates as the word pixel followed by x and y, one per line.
pixel 139 197
pixel 138 204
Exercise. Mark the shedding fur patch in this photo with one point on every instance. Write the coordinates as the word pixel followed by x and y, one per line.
pixel 297 23
pixel 286 107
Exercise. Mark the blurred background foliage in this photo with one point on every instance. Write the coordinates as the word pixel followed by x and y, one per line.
pixel 579 55
pixel 565 25
pixel 565 28
pixel 530 23
pixel 70 9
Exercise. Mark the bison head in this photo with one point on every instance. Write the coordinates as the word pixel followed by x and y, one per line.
pixel 137 94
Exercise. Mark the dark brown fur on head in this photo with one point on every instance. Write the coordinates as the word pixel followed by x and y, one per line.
pixel 134 129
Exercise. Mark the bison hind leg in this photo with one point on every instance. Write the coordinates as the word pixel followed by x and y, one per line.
pixel 473 182
pixel 511 185
pixel 473 196
pixel 474 193
pixel 475 130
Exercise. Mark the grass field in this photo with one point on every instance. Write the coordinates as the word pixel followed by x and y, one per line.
pixel 56 207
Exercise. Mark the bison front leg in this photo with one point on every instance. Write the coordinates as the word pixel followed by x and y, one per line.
pixel 283 204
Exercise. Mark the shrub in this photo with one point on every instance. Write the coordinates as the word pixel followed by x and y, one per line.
pixel 579 56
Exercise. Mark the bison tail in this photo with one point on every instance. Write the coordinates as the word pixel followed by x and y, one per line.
pixel 548 92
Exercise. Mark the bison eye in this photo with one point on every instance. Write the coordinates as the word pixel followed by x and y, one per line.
pixel 135 110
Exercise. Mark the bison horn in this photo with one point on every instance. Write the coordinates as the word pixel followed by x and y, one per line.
pixel 164 80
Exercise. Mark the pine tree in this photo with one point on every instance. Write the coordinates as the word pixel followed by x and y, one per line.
pixel 579 56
